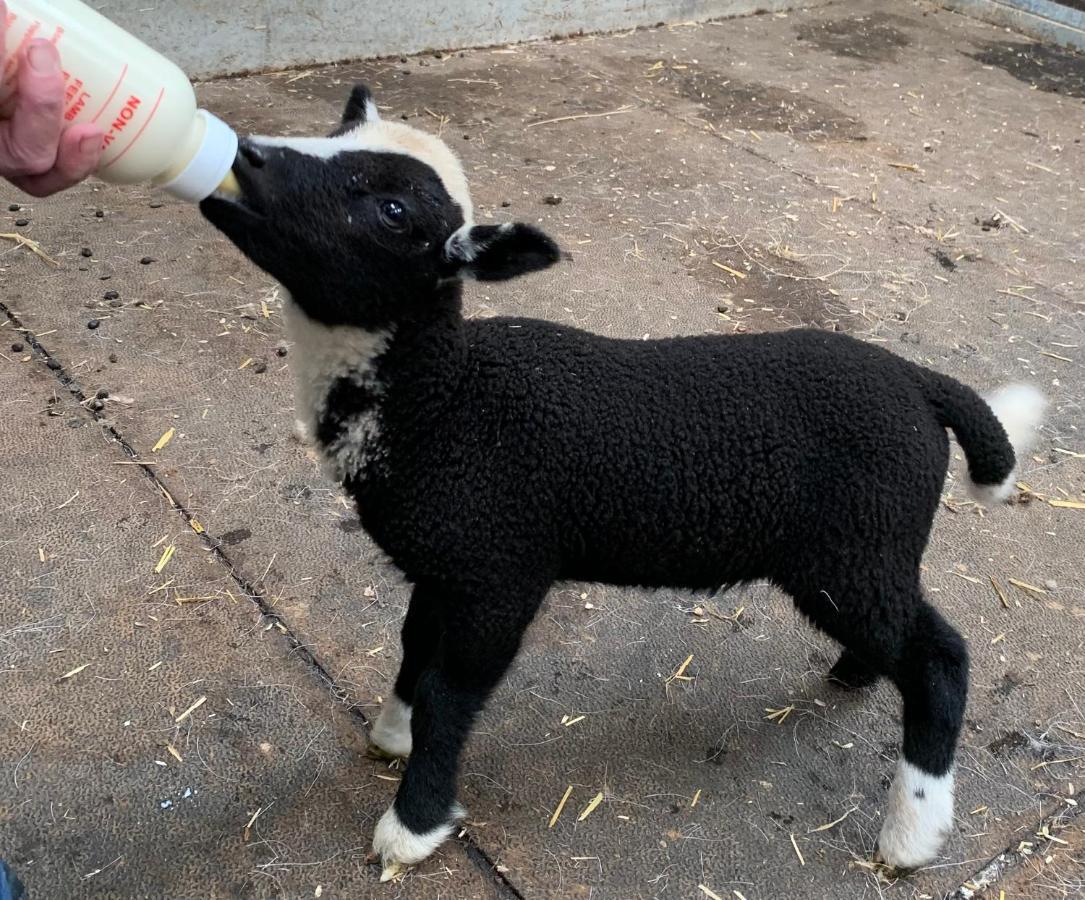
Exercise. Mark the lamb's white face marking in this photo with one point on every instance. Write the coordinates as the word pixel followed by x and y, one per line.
pixel 392 730
pixel 397 845
pixel 918 817
pixel 322 355
pixel 378 136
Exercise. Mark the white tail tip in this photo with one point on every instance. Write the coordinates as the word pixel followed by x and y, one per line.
pixel 1020 410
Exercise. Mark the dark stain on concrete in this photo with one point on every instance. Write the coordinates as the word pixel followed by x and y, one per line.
pixel 874 38
pixel 730 102
pixel 1008 743
pixel 778 291
pixel 1043 66
pixel 1010 681
pixel 231 538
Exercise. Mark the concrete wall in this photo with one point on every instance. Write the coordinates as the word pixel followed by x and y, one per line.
pixel 1042 19
pixel 217 37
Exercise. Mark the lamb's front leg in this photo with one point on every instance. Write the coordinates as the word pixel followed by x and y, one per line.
pixel 478 644
pixel 421 635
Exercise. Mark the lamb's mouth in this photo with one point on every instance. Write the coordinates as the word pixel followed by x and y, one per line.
pixel 241 188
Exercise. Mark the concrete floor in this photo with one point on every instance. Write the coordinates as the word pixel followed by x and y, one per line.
pixel 194 725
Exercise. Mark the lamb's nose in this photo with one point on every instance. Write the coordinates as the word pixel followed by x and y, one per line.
pixel 253 154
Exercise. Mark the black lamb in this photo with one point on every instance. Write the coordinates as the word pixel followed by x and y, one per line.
pixel 491 458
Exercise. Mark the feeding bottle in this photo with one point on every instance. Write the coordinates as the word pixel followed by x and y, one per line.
pixel 143 103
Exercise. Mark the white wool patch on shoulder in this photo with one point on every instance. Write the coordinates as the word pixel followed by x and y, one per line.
pixel 322 355
pixel 918 817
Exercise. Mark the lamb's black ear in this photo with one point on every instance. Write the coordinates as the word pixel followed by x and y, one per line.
pixel 360 109
pixel 499 252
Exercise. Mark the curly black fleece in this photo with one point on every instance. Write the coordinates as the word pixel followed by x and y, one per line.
pixel 514 445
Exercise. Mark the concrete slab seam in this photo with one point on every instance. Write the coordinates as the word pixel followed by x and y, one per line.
pixel 1013 857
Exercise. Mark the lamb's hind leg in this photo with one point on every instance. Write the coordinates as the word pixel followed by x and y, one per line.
pixel 851 672
pixel 932 676
pixel 888 625
pixel 421 634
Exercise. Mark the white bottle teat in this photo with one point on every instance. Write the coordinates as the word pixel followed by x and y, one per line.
pixel 144 104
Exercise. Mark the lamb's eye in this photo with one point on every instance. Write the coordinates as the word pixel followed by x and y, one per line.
pixel 393 215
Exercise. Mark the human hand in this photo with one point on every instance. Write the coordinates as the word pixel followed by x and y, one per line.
pixel 38 154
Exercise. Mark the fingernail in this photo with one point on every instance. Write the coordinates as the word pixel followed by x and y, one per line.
pixel 43 58
pixel 89 145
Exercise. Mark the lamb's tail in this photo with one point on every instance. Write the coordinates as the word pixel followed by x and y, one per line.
pixel 995 431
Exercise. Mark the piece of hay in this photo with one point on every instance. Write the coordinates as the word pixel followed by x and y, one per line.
pixel 73 672
pixel 798 852
pixel 33 246
pixel 188 712
pixel 165 439
pixel 590 808
pixel 557 812
pixel 729 270
pixel 1025 586
pixel 679 673
pixel 249 824
pixel 167 555
pixel 778 715
pixel 833 823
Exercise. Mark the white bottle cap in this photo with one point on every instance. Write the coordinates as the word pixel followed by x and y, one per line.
pixel 202 176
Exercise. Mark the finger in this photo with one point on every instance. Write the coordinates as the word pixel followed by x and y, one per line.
pixel 28 142
pixel 3 28
pixel 80 151
pixel 78 156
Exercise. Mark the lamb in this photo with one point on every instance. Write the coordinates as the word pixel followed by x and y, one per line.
pixel 490 459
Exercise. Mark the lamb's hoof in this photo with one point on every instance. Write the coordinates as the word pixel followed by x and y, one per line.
pixel 375 751
pixel 398 847
pixel 301 434
pixel 917 819
pixel 390 736
pixel 851 674
pixel 393 871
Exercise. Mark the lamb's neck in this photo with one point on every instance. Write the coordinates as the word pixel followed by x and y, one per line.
pixel 324 355
pixel 344 377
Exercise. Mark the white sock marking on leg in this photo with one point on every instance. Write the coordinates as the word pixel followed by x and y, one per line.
pixel 396 843
pixel 392 730
pixel 918 817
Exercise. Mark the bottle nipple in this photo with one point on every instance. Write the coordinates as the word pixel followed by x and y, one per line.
pixel 229 185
